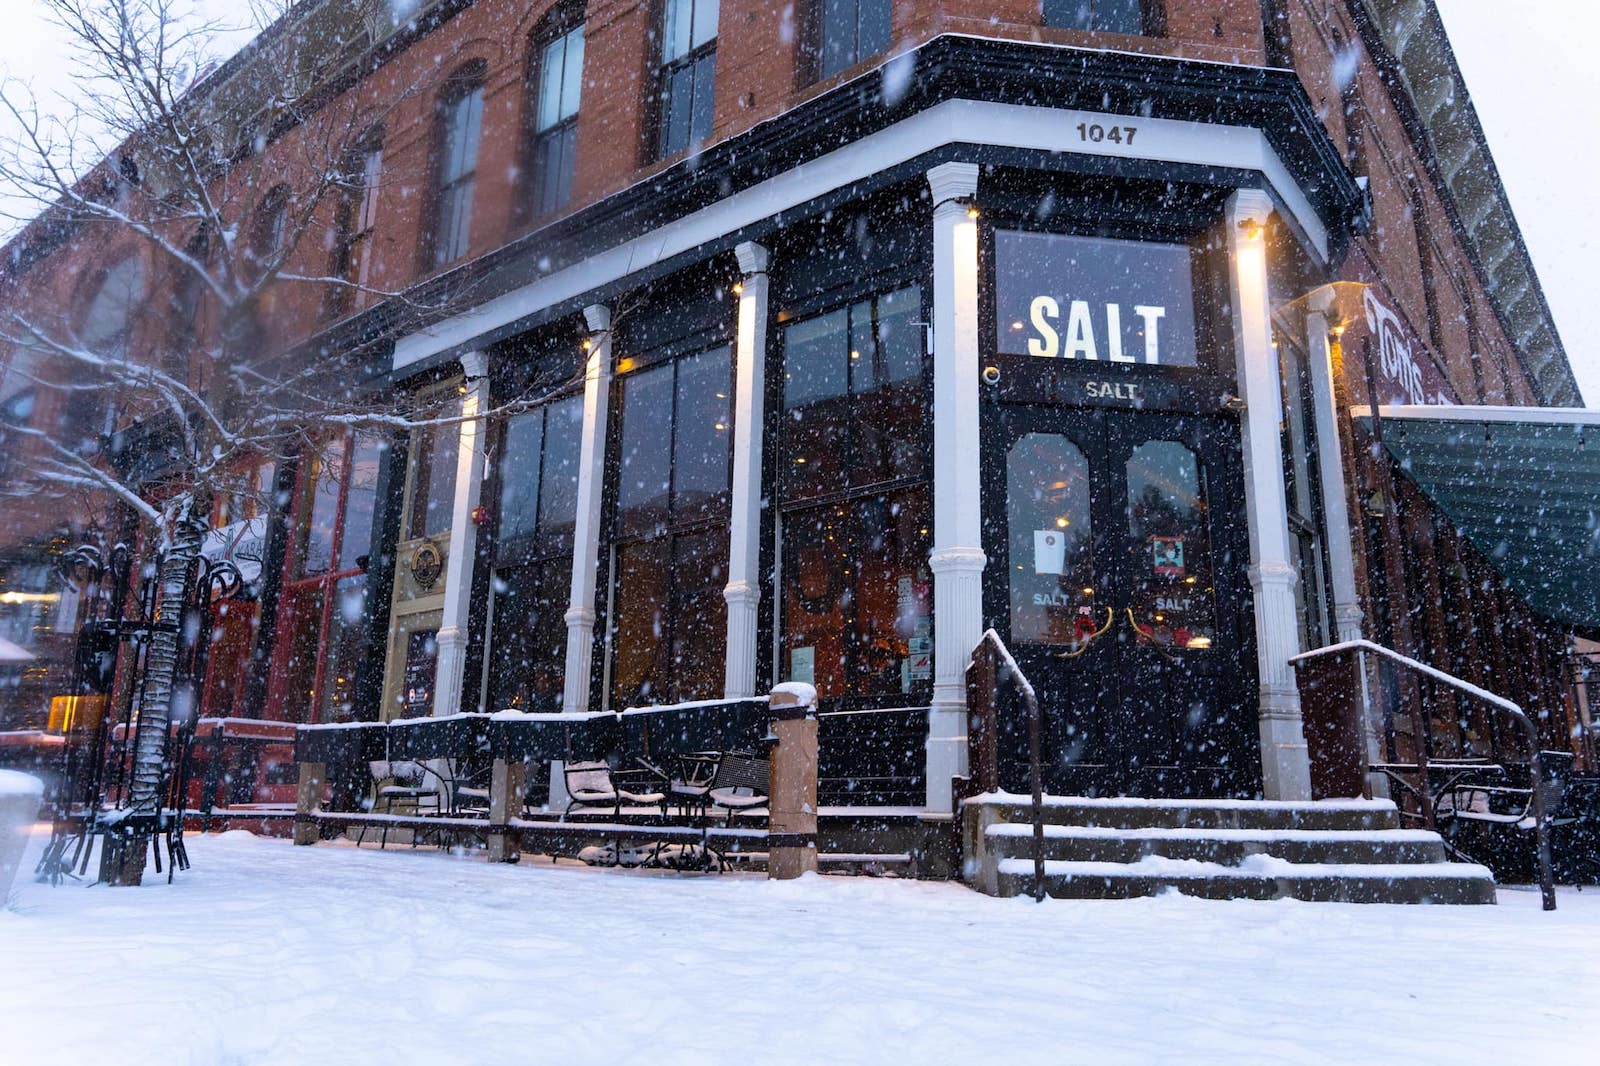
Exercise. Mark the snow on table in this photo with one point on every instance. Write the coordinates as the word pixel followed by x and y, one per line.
pixel 267 953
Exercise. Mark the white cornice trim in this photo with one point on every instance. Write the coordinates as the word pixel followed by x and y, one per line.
pixel 952 122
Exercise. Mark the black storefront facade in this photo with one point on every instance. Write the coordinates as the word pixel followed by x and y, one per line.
pixel 997 351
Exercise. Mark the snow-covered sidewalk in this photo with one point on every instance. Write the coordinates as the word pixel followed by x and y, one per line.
pixel 267 953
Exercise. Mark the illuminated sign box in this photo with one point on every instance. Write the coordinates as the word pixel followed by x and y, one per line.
pixel 1094 299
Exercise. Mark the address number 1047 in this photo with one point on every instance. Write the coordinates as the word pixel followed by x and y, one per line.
pixel 1095 133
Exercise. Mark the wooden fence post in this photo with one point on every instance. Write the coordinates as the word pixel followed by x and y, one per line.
pixel 505 803
pixel 792 790
pixel 307 799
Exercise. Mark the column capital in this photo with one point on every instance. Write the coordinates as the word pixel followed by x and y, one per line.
pixel 957 560
pixel 597 317
pixel 1249 205
pixel 579 616
pixel 953 181
pixel 753 258
pixel 1278 574
pixel 742 593
pixel 475 365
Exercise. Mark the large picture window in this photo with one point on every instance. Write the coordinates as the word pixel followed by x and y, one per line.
pixel 847 32
pixel 688 73
pixel 538 477
pixel 856 608
pixel 324 633
pixel 460 124
pixel 557 90
pixel 669 619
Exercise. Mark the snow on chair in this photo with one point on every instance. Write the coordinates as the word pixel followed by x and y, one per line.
pixel 408 784
pixel 741 784
pixel 597 785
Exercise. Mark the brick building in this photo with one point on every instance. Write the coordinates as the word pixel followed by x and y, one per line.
pixel 856 328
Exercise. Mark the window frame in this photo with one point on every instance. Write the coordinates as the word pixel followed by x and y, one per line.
pixel 445 246
pixel 356 222
pixel 674 527
pixel 296 585
pixel 1152 19
pixel 817 38
pixel 558 26
pixel 685 64
pixel 788 509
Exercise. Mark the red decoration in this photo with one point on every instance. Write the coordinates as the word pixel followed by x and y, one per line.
pixel 480 516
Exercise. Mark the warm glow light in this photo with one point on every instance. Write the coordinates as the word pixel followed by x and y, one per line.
pixel 1088 591
pixel 800 459
pixel 586 344
pixel 738 288
pixel 1199 642
pixel 972 212
pixel 1017 326
pixel 29 597
pixel 1252 229
pixel 854 354
pixel 1063 523
pixel 1188 581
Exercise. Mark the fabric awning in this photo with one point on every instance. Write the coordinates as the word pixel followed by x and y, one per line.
pixel 1522 483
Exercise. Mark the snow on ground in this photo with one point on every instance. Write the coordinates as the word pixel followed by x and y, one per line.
pixel 268 953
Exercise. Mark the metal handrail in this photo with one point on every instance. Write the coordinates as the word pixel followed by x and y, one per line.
pixel 1031 699
pixel 1541 829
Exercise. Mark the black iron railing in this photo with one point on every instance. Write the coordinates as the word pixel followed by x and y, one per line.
pixel 1333 688
pixel 991 667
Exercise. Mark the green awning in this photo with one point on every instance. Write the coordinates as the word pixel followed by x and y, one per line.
pixel 1521 483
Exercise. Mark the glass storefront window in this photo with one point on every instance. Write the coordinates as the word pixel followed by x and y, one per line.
pixel 538 473
pixel 668 614
pixel 1052 540
pixel 857 595
pixel 855 608
pixel 324 633
pixel 1171 592
pixel 853 396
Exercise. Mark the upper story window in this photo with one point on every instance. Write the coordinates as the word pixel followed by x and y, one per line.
pixel 557 90
pixel 460 124
pixel 109 315
pixel 847 32
pixel 1102 16
pixel 688 73
pixel 271 228
pixel 357 219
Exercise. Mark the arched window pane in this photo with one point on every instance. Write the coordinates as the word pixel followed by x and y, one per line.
pixel 1053 586
pixel 1171 588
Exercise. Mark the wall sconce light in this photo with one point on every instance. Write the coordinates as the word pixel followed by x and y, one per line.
pixel 1252 228
pixel 586 344
pixel 738 288
pixel 972 211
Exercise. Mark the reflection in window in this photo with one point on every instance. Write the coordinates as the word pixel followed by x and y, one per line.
pixel 668 614
pixel 558 89
pixel 688 73
pixel 1171 580
pixel 857 597
pixel 849 31
pixel 433 487
pixel 1103 16
pixel 461 119
pixel 854 396
pixel 1051 538
pixel 538 471
pixel 855 612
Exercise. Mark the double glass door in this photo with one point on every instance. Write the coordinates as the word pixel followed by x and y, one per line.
pixel 1123 598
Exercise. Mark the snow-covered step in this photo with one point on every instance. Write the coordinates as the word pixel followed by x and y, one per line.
pixel 1105 844
pixel 1111 848
pixel 1129 812
pixel 1257 877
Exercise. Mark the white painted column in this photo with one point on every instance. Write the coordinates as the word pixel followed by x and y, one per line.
pixel 1336 520
pixel 1347 615
pixel 1285 768
pixel 957 559
pixel 743 591
pixel 452 639
pixel 586 530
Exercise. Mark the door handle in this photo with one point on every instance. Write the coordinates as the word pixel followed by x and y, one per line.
pixel 1081 645
pixel 1155 640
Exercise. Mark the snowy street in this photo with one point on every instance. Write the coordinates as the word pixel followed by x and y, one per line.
pixel 267 953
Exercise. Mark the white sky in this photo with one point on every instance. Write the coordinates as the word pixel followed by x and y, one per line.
pixel 1528 65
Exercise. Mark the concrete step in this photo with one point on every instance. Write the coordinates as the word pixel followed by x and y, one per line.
pixel 1126 812
pixel 1225 846
pixel 1263 878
